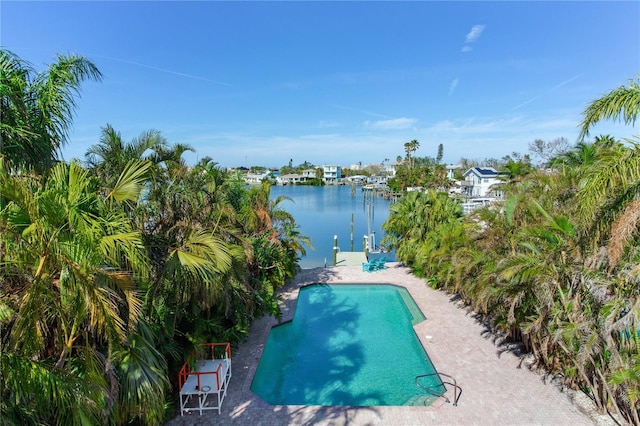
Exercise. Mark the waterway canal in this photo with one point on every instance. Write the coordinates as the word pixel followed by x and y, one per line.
pixel 325 211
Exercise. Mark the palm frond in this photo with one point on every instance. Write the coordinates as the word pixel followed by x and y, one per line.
pixel 36 392
pixel 202 255
pixel 130 181
pixel 143 380
pixel 621 103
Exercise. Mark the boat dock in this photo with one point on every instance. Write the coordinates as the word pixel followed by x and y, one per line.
pixel 350 258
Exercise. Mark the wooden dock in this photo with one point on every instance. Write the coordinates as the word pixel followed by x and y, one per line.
pixel 350 258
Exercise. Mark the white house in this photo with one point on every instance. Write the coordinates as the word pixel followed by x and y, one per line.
pixel 478 181
pixel 290 179
pixel 254 178
pixel 392 168
pixel 308 174
pixel 332 173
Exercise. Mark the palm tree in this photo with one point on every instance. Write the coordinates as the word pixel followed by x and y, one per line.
pixel 276 242
pixel 628 375
pixel 409 148
pixel 623 102
pixel 37 108
pixel 72 264
pixel 108 158
pixel 608 198
pixel 535 266
pixel 190 233
pixel 583 154
pixel 413 217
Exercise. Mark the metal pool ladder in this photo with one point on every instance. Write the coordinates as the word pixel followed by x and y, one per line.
pixel 457 390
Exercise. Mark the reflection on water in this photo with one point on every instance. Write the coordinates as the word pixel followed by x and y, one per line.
pixel 322 212
pixel 347 345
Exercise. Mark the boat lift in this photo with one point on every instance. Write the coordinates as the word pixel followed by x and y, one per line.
pixel 370 238
pixel 369 243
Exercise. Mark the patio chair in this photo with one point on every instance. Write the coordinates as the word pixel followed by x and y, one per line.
pixel 382 262
pixel 379 264
pixel 368 267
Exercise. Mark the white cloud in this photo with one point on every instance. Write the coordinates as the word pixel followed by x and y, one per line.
pixel 453 85
pixel 474 137
pixel 243 149
pixel 466 49
pixel 394 124
pixel 472 126
pixel 475 33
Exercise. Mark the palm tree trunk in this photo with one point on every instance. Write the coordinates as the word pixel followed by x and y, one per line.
pixel 611 395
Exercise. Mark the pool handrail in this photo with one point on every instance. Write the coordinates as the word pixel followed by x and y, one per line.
pixel 456 388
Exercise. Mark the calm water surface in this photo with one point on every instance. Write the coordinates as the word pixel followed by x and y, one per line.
pixel 347 345
pixel 325 211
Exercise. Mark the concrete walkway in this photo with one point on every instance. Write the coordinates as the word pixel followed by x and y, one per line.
pixel 496 389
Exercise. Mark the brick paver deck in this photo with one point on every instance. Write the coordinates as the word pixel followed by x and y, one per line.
pixel 496 391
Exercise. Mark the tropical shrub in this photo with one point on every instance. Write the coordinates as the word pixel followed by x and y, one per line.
pixel 555 265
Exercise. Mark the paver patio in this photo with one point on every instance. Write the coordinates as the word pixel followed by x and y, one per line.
pixel 497 389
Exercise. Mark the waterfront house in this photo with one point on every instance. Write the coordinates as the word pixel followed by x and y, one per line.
pixel 481 182
pixel 290 179
pixel 332 173
pixel 255 178
pixel 391 169
pixel 308 174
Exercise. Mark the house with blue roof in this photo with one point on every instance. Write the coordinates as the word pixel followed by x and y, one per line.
pixel 480 182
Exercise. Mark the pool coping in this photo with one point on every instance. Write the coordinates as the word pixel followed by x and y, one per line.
pixel 497 389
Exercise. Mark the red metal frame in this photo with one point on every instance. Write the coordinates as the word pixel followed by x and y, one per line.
pixel 185 371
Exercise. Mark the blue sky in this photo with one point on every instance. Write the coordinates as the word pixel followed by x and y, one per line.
pixel 331 82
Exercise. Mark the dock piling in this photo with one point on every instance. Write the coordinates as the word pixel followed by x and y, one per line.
pixel 365 245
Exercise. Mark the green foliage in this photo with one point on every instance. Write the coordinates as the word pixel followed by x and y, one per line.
pixel 68 281
pixel 555 265
pixel 313 182
pixel 37 108
pixel 111 272
pixel 413 217
pixel 621 103
pixel 516 168
pixel 420 174
pixel 291 169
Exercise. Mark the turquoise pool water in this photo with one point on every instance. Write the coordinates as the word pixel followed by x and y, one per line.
pixel 347 345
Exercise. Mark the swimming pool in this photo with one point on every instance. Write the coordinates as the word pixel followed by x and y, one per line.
pixel 347 345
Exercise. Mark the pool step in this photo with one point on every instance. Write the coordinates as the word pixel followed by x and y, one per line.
pixel 420 399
